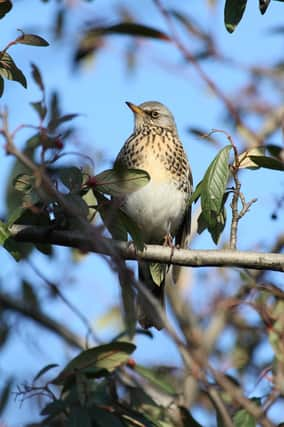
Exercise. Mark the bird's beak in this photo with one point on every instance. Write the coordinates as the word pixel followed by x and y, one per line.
pixel 134 108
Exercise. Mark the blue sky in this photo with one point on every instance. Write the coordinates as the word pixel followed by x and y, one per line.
pixel 98 91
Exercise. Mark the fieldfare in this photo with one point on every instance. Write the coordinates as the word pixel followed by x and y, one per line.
pixel 160 208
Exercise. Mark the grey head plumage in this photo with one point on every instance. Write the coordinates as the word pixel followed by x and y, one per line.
pixel 152 113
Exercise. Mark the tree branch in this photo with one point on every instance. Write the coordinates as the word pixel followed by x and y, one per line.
pixel 9 303
pixel 155 253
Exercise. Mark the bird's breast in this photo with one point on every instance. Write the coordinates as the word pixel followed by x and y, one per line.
pixel 157 208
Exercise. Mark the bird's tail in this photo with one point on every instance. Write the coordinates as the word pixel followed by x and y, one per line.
pixel 153 277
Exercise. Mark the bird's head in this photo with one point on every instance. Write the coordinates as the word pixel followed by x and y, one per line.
pixel 154 114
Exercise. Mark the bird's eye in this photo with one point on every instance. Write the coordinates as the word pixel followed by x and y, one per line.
pixel 155 114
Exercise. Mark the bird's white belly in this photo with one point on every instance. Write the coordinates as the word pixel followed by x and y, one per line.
pixel 157 208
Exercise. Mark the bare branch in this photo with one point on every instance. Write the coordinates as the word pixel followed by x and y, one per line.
pixel 9 303
pixel 192 258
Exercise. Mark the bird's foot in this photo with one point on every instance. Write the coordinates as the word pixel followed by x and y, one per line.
pixel 168 241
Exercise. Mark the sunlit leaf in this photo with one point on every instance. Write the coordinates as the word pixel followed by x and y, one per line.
pixel 234 10
pixel 245 160
pixel 107 357
pixel 196 194
pixel 158 272
pixel 9 70
pixel 118 182
pixel 32 39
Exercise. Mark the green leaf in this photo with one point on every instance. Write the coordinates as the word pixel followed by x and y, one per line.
pixel 71 177
pixel 196 194
pixel 214 186
pixel 32 39
pixel 158 272
pixel 131 29
pixel 43 371
pixel 118 182
pixel 268 162
pixel 263 5
pixel 9 70
pixel 5 7
pixel 234 10
pixel 108 357
pixel 155 379
pixel 244 419
pixel 36 75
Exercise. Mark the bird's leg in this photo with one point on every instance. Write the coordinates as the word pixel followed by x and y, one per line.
pixel 168 241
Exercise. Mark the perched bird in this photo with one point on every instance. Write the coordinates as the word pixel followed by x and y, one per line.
pixel 159 208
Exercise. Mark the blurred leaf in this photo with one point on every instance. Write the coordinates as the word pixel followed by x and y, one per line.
pixel 9 70
pixel 5 7
pixel 214 185
pixel 29 296
pixel 110 318
pixel 234 10
pixel 190 25
pixel 36 75
pixel 118 182
pixel 128 302
pixel 245 160
pixel 130 29
pixel 43 371
pixel 263 5
pixel 6 391
pixel 71 177
pixel 40 109
pixel 32 39
pixel 203 135
pixel 244 419
pixel 57 121
pixel 268 162
pixel 275 150
pixel 108 357
pixel 77 206
pixel 155 379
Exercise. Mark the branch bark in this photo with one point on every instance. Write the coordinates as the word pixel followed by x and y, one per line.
pixel 154 253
